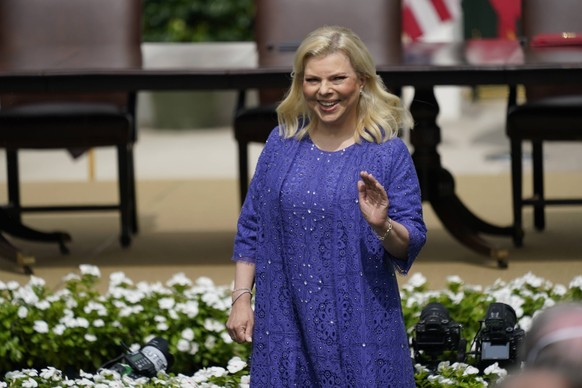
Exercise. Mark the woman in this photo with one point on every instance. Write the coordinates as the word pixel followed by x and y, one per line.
pixel 333 209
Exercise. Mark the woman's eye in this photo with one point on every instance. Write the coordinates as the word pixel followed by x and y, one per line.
pixel 311 80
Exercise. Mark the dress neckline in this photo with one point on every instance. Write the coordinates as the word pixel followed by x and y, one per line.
pixel 338 152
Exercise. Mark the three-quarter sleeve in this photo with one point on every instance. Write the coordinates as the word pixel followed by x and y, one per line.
pixel 405 202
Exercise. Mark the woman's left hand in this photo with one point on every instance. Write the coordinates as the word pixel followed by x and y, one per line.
pixel 373 200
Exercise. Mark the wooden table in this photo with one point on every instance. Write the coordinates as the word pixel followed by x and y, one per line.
pixel 422 65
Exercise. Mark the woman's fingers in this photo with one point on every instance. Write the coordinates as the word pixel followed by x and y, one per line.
pixel 240 332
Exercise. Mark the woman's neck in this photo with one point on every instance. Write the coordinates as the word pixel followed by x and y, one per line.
pixel 332 140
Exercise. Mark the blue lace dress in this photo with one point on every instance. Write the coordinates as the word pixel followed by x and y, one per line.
pixel 327 305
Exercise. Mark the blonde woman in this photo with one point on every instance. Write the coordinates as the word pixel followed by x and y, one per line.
pixel 333 211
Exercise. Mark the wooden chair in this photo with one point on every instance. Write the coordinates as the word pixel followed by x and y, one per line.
pixel 74 121
pixel 550 113
pixel 280 26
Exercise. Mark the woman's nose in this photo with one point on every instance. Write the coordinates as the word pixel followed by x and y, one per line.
pixel 324 88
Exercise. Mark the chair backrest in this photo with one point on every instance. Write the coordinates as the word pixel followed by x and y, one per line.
pixel 36 27
pixel 547 17
pixel 280 26
pixel 556 16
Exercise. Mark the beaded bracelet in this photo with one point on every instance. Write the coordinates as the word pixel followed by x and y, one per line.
pixel 241 294
pixel 382 238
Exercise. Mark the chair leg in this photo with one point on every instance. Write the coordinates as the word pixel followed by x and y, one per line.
pixel 538 185
pixel 243 170
pixel 13 183
pixel 516 186
pixel 132 192
pixel 124 193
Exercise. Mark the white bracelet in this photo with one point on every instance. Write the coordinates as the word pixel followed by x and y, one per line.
pixel 387 232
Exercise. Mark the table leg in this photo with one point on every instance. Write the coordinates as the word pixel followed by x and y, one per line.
pixel 11 226
pixel 438 185
pixel 10 252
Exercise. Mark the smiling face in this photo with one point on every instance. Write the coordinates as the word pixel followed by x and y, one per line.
pixel 331 89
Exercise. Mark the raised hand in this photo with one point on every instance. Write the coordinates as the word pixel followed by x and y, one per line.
pixel 373 200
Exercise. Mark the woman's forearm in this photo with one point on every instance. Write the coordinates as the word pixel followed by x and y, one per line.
pixel 244 275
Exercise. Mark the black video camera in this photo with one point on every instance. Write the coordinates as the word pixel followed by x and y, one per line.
pixel 437 338
pixel 499 338
pixel 146 362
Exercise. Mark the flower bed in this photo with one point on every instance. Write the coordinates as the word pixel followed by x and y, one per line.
pixel 62 337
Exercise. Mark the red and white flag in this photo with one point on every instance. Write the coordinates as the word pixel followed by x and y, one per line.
pixel 423 17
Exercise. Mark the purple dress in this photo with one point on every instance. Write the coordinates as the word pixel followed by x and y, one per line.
pixel 327 306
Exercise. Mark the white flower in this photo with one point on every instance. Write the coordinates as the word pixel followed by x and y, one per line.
pixel 210 342
pixel 194 347
pixel 421 368
pixel 455 298
pixel 471 370
pixel 189 308
pixel 36 282
pixel 474 288
pixel 71 277
pixel 82 322
pixel 166 303
pixel 548 303
pixel 204 281
pixel 90 338
pixel 533 281
pixel 214 325
pixel 179 279
pixel 29 383
pixel 245 381
pixel 118 278
pixel 560 290
pixel 91 270
pixel 43 305
pixel 188 334
pixel 128 311
pixel 235 364
pixel 27 295
pixel 134 296
pixel 525 322
pixel 162 326
pixel 98 323
pixel 183 345
pixel 135 347
pixel 22 312
pixel 12 285
pixel 454 279
pixel 212 299
pixel 576 283
pixel 417 280
pixel 446 381
pixel 51 374
pixel 59 329
pixel 71 303
pixel 494 369
pixel 94 306
pixel 443 365
pixel 225 337
pixel 432 378
pixel 213 371
pixel 41 327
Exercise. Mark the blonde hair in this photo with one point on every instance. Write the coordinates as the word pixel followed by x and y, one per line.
pixel 380 114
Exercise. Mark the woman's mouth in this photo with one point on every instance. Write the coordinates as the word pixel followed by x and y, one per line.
pixel 327 105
